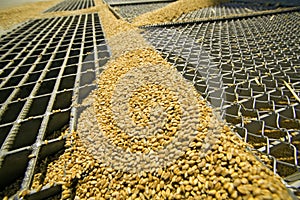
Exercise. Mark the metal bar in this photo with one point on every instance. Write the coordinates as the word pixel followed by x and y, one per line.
pixel 78 5
pixel 230 17
pixel 31 166
pixel 68 41
pixel 114 12
pixel 70 5
pixel 20 53
pixel 10 138
pixel 122 3
pixel 77 84
pixel 19 38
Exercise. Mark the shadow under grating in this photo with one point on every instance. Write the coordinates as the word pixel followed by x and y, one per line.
pixel 46 66
pixel 70 5
pixel 243 67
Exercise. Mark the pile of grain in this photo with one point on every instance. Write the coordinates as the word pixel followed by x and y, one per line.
pixel 111 25
pixel 215 163
pixel 126 41
pixel 169 13
pixel 172 11
pixel 13 16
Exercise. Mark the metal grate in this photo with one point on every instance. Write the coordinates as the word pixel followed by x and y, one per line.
pixel 247 68
pixel 131 11
pixel 277 3
pixel 45 66
pixel 69 5
pixel 225 9
pixel 134 2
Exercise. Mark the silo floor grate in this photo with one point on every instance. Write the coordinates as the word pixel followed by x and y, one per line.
pixel 248 69
pixel 71 5
pixel 46 65
pixel 223 10
pixel 134 2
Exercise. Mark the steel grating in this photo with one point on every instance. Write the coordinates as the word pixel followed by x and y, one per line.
pixel 131 11
pixel 135 2
pixel 225 9
pixel 46 65
pixel 248 69
pixel 277 3
pixel 69 5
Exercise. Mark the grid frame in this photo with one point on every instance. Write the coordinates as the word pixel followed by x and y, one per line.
pixel 71 5
pixel 46 66
pixel 271 87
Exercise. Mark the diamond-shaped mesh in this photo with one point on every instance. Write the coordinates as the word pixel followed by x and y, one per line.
pixel 131 11
pixel 249 70
pixel 134 2
pixel 224 9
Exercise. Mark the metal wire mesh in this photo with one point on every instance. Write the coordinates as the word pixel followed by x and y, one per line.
pixel 277 3
pixel 248 69
pixel 45 65
pixel 225 9
pixel 131 11
pixel 69 5
pixel 134 2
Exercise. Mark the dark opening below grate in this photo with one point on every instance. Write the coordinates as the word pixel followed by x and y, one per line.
pixel 69 5
pixel 45 66
pixel 242 67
